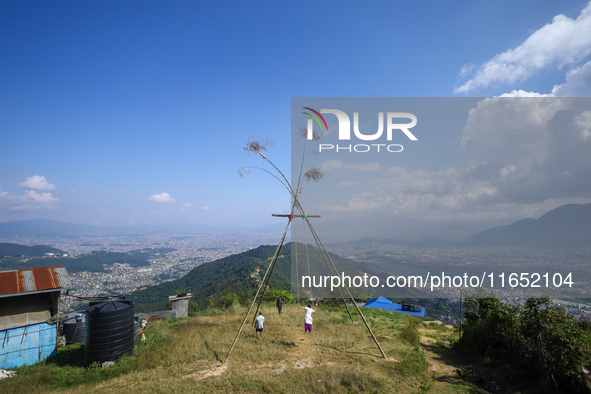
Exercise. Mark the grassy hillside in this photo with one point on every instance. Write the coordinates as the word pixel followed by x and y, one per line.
pixel 16 250
pixel 232 276
pixel 93 262
pixel 183 356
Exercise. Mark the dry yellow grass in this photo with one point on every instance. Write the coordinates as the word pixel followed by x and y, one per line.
pixel 184 356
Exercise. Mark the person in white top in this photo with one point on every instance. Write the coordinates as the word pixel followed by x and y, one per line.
pixel 308 318
pixel 259 321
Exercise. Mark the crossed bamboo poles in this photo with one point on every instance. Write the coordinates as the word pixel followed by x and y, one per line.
pixel 256 147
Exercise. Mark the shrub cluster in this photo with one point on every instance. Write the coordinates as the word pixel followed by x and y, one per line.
pixel 540 339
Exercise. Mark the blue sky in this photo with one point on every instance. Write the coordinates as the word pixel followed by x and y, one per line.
pixel 119 113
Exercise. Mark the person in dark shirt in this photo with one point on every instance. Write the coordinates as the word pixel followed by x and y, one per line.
pixel 279 305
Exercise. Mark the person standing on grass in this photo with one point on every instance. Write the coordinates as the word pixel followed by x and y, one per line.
pixel 308 318
pixel 279 304
pixel 260 321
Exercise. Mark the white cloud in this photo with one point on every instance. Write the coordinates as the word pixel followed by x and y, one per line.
pixel 577 84
pixel 523 93
pixel 37 182
pixel 162 198
pixel 523 147
pixel 339 165
pixel 44 198
pixel 583 123
pixel 206 208
pixel 522 157
pixel 31 200
pixel 562 42
pixel 467 70
pixel 417 192
pixel 348 183
pixel 186 205
pixel 506 171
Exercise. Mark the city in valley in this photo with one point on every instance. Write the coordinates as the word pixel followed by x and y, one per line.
pixel 171 256
pixel 386 259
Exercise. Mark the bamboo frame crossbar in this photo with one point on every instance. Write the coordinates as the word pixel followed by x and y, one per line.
pixel 277 215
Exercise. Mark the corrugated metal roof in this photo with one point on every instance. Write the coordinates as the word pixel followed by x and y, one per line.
pixel 33 280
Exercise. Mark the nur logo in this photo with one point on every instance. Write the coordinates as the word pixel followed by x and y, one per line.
pixel 345 129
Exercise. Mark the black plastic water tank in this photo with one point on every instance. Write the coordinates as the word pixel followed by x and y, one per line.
pixel 109 330
pixel 74 327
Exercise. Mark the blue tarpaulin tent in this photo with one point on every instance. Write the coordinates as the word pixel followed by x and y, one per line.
pixel 378 301
pixel 387 305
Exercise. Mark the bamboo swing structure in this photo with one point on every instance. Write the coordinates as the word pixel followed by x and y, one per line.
pixel 314 174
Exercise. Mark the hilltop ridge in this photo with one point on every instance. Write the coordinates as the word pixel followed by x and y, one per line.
pixel 566 226
pixel 16 250
pixel 232 276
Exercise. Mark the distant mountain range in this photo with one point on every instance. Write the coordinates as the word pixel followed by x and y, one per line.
pixel 566 226
pixel 50 228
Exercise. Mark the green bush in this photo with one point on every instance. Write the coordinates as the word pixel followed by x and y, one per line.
pixel 554 342
pixel 274 294
pixel 228 300
pixel 490 324
pixel 540 339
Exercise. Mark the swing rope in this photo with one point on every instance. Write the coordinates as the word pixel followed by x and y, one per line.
pixel 263 283
pixel 322 248
pixel 295 243
pixel 307 257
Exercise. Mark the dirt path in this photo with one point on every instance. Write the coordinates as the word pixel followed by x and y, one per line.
pixel 442 368
pixel 301 349
pixel 287 348
pixel 449 375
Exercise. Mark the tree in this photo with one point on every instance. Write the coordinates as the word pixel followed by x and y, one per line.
pixel 540 339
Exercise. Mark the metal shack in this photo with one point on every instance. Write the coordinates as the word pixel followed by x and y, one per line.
pixel 29 302
pixel 180 304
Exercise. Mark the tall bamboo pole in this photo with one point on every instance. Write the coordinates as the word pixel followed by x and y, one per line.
pixel 257 293
pixel 270 269
pixel 461 302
